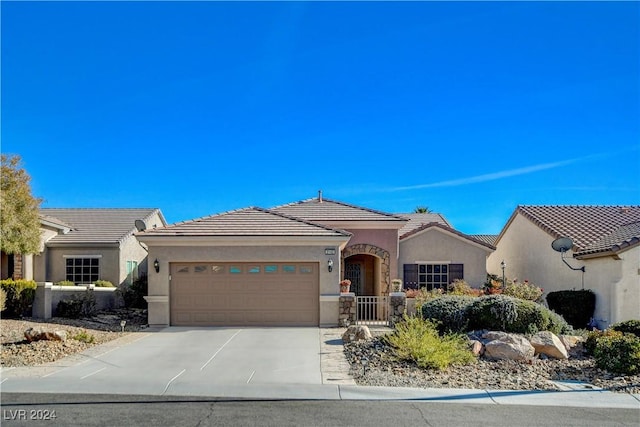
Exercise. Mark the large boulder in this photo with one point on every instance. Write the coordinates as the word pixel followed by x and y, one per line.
pixel 504 346
pixel 356 333
pixel 477 348
pixel 571 341
pixel 36 334
pixel 549 344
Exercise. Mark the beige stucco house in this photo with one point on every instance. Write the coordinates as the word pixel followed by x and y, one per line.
pixel 282 266
pixel 606 242
pixel 433 254
pixel 85 245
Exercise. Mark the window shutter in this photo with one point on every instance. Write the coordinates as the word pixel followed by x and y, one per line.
pixel 410 276
pixel 456 271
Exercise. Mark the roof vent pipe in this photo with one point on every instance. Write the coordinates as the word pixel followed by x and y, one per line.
pixel 319 196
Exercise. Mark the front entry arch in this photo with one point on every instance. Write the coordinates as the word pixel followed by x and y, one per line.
pixel 379 274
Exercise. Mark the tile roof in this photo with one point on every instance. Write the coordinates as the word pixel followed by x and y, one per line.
pixel 98 225
pixel 450 230
pixel 417 220
pixel 620 238
pixel 592 228
pixel 54 222
pixel 252 221
pixel 319 210
pixel 487 238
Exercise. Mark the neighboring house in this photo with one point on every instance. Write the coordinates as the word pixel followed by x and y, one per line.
pixel 20 266
pixel 282 266
pixel 85 245
pixel 606 242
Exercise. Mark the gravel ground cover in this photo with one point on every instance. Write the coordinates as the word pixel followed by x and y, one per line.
pixel 384 369
pixel 104 327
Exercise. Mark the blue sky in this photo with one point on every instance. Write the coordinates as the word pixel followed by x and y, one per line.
pixel 203 107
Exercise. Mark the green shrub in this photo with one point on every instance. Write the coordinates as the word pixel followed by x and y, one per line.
pixel 103 284
pixel 77 306
pixel 19 296
pixel 628 327
pixel 577 307
pixel 65 283
pixel 509 314
pixel 134 295
pixel 618 353
pixel 69 308
pixel 593 337
pixel 449 311
pixel 85 337
pixel 3 299
pixel 418 340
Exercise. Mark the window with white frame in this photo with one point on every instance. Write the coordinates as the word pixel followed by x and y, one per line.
pixel 82 269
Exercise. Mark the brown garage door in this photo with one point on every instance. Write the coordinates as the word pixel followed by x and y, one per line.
pixel 245 294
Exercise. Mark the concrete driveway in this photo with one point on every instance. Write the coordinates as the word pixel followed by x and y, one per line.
pixel 191 361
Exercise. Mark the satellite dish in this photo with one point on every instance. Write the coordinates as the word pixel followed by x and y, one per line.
pixel 562 244
pixel 140 225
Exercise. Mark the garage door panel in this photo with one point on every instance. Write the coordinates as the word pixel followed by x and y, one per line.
pixel 245 294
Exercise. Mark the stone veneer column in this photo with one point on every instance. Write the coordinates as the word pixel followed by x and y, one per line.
pixel 397 307
pixel 347 309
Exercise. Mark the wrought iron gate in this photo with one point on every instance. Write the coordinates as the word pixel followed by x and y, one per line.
pixel 372 310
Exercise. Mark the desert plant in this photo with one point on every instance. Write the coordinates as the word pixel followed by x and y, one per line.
pixel 618 353
pixel 85 337
pixel 418 340
pixel 460 287
pixel 422 296
pixel 628 327
pixel 524 290
pixel 577 307
pixel 77 306
pixel 3 299
pixel 19 296
pixel 69 308
pixel 103 284
pixel 134 294
pixel 593 336
pixel 493 287
pixel 65 283
pixel 450 311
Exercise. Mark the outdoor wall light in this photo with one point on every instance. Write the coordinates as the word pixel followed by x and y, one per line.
pixel 330 265
pixel 156 265
pixel 503 265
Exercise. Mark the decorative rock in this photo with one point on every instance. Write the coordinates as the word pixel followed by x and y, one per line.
pixel 476 347
pixel 35 334
pixel 508 346
pixel 570 341
pixel 358 332
pixel 548 343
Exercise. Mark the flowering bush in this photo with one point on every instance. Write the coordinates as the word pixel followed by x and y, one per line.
pixel 345 282
pixel 493 287
pixel 422 295
pixel 460 287
pixel 524 290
